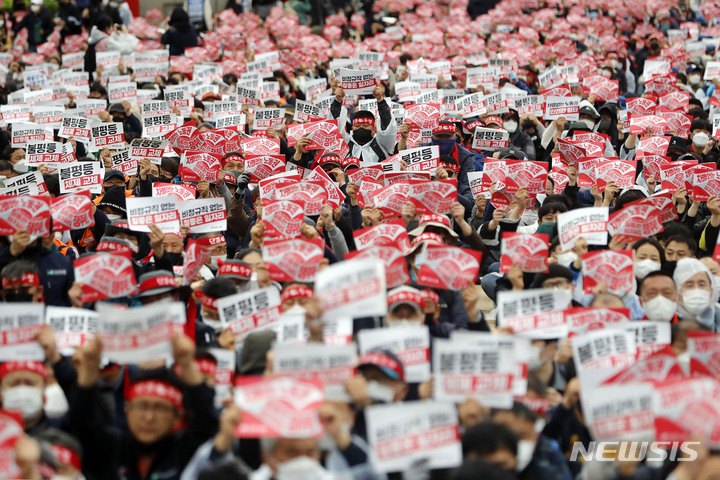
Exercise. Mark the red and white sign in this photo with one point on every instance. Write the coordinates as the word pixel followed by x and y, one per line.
pixel 145 211
pixel 281 407
pixel 261 146
pixel 31 213
pixel 105 275
pixel 449 268
pixel 261 167
pixel 358 82
pixel 282 218
pixel 392 234
pixel 246 312
pixel 180 191
pixel 197 253
pixel 567 107
pixel 622 172
pixel 108 135
pixel 432 196
pixel 72 212
pixel 531 175
pixel 203 215
pixel 198 166
pixel 81 176
pixel 620 412
pixel 295 260
pixel 529 251
pixel 353 288
pixel 636 221
pixel 38 153
pixel 652 124
pixel 614 268
pixel 401 433
pixel 21 322
pixel 677 404
pixel 411 344
pixel 705 185
pixel 581 319
pixel 589 223
pixel 311 194
pixel 72 326
pixel 145 337
pixel 396 272
pixel 490 139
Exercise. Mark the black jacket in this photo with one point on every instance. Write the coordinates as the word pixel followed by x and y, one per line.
pixel 179 37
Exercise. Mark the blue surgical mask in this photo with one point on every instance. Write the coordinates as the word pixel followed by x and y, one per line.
pixel 446 146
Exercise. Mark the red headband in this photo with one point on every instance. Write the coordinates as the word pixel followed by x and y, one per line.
pixel 159 281
pixel 329 159
pixel 406 296
pixel 212 241
pixel 427 237
pixel 381 360
pixel 430 296
pixel 228 268
pixel 206 301
pixel 229 178
pixel 23 366
pixel 350 161
pixel 110 246
pixel 205 365
pixel 65 456
pixel 232 158
pixel 444 128
pixel 497 120
pixel 431 217
pixel 25 278
pixel 296 292
pixel 156 388
pixel 363 121
pixel 450 166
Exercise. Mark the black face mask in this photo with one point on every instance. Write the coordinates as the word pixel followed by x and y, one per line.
pixel 152 178
pixel 118 119
pixel 362 136
pixel 17 297
pixel 164 179
pixel 176 258
pixel 429 318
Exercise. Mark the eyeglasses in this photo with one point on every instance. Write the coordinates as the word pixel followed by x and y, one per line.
pixel 562 282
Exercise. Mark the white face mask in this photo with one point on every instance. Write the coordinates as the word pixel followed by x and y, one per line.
pixel 300 468
pixel 696 301
pixel 606 73
pixel 214 259
pixel 21 166
pixel 113 216
pixel 617 64
pixel 215 324
pixel 402 323
pixel 525 450
pixel 379 392
pixel 510 126
pixel 700 139
pixel 295 310
pixel 565 259
pixel 694 78
pixel 534 361
pixel 644 267
pixel 35 8
pixel 26 400
pixel 590 123
pixel 56 404
pixel 660 309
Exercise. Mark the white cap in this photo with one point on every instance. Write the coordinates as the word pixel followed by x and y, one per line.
pixel 36 2
pixel 687 267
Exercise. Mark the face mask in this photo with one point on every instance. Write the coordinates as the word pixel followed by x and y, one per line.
pixel 660 309
pixel 175 258
pixel 617 64
pixel 590 123
pixel 26 400
pixel 215 324
pixel 593 14
pixel 379 392
pixel 446 146
pixel 700 139
pixel 56 404
pixel 300 468
pixel 362 136
pixel 35 8
pixel 606 73
pixel 118 119
pixel 21 166
pixel 645 267
pixel 696 301
pixel 214 260
pixel 565 259
pixel 113 216
pixel 534 361
pixel 525 450
pixel 402 323
pixel 14 297
pixel 694 79
pixel 511 126
pixel 164 179
pixel 295 310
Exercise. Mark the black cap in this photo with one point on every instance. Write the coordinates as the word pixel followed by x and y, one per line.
pixel 678 143
pixel 114 197
pixel 512 153
pixel 554 271
pixel 116 108
pixel 114 173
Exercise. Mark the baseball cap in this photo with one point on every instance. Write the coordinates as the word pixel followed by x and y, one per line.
pixel 433 220
pixel 156 282
pixel 386 361
pixel 405 296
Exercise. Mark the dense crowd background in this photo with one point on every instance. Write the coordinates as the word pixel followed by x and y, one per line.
pixel 360 240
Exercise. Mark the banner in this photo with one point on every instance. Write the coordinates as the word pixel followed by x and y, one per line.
pixel 614 268
pixel 392 233
pixel 203 215
pixel 105 275
pixel 353 288
pixel 21 322
pixel 411 344
pixel 31 213
pixel 246 312
pixel 72 326
pixel 448 268
pixel 282 218
pixel 529 251
pixel 72 212
pixel 161 211
pixel 589 223
pixel 81 176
